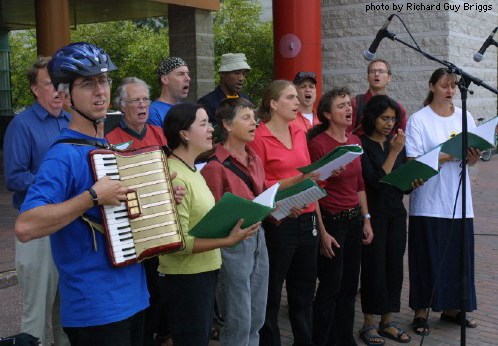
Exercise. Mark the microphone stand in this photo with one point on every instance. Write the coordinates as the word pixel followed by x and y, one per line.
pixel 463 86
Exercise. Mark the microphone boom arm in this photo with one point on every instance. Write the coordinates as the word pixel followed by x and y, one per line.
pixel 449 65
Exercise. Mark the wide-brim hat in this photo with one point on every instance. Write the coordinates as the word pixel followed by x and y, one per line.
pixel 233 62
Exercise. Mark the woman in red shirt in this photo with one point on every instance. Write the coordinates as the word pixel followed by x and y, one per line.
pixel 243 279
pixel 293 243
pixel 342 209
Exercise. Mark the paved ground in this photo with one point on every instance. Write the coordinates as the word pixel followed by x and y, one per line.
pixel 485 194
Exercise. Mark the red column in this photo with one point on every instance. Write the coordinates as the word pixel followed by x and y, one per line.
pixel 297 27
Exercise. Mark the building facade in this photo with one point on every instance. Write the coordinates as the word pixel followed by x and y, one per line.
pixel 452 31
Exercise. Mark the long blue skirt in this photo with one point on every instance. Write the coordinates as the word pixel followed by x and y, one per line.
pixel 434 259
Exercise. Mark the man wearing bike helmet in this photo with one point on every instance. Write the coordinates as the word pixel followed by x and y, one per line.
pixel 100 304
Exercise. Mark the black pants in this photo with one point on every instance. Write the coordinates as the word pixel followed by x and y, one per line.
pixel 189 300
pixel 292 250
pixel 382 266
pixel 155 315
pixel 128 332
pixel 333 308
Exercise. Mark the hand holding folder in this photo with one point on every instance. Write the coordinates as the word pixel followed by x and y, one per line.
pixel 340 156
pixel 423 168
pixel 220 220
pixel 481 137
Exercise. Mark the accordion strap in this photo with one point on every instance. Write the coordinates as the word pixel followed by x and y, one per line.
pixel 88 142
pixel 94 226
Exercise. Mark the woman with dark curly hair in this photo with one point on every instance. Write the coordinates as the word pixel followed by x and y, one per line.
pixel 382 260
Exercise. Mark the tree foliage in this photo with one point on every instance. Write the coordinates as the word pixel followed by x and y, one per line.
pixel 239 29
pixel 137 47
pixel 22 56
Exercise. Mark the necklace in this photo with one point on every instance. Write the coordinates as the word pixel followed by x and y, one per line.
pixel 186 164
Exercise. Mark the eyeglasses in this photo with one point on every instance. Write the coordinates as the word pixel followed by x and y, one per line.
pixel 377 70
pixel 306 75
pixel 92 84
pixel 46 84
pixel 389 120
pixel 137 101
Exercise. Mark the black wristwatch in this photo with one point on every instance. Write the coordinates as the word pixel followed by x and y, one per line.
pixel 95 197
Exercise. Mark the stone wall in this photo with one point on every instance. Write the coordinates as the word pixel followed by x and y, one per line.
pixel 446 30
pixel 194 43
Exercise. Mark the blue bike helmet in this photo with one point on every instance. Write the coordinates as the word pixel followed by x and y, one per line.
pixel 78 59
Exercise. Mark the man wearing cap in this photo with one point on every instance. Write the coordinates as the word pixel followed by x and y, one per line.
pixel 173 76
pixel 233 71
pixel 379 75
pixel 305 83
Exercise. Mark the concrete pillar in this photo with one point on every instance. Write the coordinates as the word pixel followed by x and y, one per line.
pixel 191 38
pixel 52 25
pixel 5 87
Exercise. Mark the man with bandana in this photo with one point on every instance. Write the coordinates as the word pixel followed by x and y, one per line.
pixel 173 76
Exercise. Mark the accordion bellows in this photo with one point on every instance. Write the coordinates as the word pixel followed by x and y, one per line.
pixel 146 225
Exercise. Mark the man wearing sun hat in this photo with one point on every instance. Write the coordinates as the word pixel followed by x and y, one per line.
pixel 173 76
pixel 233 71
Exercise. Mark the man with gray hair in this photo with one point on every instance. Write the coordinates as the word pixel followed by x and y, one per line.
pixel 133 101
pixel 233 71
pixel 173 76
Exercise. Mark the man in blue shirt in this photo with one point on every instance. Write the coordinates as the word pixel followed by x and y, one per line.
pixel 100 304
pixel 174 78
pixel 27 139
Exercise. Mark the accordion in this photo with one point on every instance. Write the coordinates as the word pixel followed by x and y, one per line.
pixel 146 224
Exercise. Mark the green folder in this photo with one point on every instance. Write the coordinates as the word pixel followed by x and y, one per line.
pixel 340 156
pixel 221 219
pixel 423 167
pixel 482 137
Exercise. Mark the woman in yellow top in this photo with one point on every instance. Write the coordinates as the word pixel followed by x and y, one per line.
pixel 187 278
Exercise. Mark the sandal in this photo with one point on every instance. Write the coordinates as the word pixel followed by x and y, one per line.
pixel 421 326
pixel 456 319
pixel 399 332
pixel 370 336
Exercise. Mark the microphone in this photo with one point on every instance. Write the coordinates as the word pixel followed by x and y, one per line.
pixel 479 55
pixel 369 54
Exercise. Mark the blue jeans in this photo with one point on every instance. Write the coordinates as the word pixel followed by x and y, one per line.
pixel 242 290
pixel 292 250
pixel 189 300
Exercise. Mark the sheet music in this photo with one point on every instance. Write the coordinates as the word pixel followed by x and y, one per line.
pixel 299 200
pixel 267 197
pixel 326 171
